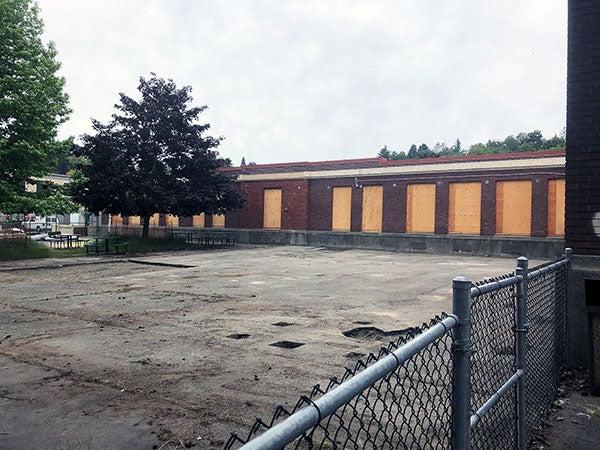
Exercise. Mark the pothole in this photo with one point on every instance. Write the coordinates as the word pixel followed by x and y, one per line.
pixel 283 324
pixel 239 336
pixel 373 333
pixel 287 344
pixel 354 355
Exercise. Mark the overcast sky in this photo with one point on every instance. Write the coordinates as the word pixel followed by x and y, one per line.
pixel 310 80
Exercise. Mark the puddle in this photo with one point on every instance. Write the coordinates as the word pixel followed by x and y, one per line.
pixel 287 344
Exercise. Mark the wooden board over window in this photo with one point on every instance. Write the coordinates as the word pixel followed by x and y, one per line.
pixel 556 207
pixel 513 207
pixel 272 209
pixel 171 220
pixel 420 208
pixel 342 209
pixel 218 221
pixel 372 209
pixel 464 208
pixel 133 220
pixel 198 220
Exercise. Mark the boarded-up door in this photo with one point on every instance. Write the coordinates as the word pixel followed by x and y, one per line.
pixel 513 208
pixel 342 209
pixel 272 209
pixel 218 221
pixel 372 209
pixel 556 207
pixel 464 208
pixel 171 220
pixel 198 220
pixel 117 220
pixel 420 208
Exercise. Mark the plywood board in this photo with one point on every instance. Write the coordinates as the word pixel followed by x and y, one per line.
pixel 556 207
pixel 198 220
pixel 171 220
pixel 420 208
pixel 342 209
pixel 134 220
pixel 218 221
pixel 372 209
pixel 272 209
pixel 513 207
pixel 464 208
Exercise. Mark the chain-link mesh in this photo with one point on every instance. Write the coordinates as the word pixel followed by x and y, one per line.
pixel 546 341
pixel 409 408
pixel 492 363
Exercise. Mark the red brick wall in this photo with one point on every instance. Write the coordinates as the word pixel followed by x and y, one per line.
pixel 294 204
pixel 394 198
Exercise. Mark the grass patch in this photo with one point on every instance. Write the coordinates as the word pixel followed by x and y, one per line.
pixel 12 249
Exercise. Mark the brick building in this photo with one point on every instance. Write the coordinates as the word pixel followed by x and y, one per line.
pixel 583 183
pixel 509 201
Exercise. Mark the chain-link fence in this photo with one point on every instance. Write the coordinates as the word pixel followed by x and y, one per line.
pixel 433 388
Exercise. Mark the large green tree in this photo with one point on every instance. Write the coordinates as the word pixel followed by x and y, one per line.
pixel 32 106
pixel 153 157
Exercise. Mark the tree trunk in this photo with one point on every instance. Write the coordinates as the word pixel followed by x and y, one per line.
pixel 146 228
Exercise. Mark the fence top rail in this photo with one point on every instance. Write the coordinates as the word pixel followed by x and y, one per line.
pixel 306 418
pixel 545 269
pixel 476 291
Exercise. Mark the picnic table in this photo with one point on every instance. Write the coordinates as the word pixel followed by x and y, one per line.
pixel 107 244
pixel 64 241
pixel 206 238
pixel 189 235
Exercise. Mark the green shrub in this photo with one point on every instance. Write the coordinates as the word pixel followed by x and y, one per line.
pixel 11 249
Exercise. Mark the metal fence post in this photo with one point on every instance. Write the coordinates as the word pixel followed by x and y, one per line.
pixel 461 364
pixel 521 350
pixel 567 342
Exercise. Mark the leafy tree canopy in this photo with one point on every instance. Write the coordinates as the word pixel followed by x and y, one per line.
pixel 32 106
pixel 153 157
pixel 522 142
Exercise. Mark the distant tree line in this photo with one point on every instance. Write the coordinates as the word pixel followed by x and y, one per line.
pixel 522 142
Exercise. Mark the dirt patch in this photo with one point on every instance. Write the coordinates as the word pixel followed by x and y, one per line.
pixel 287 344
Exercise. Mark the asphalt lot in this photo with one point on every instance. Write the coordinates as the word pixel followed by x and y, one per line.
pixel 110 353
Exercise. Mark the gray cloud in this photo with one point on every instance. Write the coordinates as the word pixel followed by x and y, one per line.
pixel 306 80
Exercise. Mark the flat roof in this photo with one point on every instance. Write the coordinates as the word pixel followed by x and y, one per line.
pixel 378 162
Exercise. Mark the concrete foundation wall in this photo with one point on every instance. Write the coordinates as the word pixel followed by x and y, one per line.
pixel 543 248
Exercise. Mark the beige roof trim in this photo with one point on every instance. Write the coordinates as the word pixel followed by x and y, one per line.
pixel 558 161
